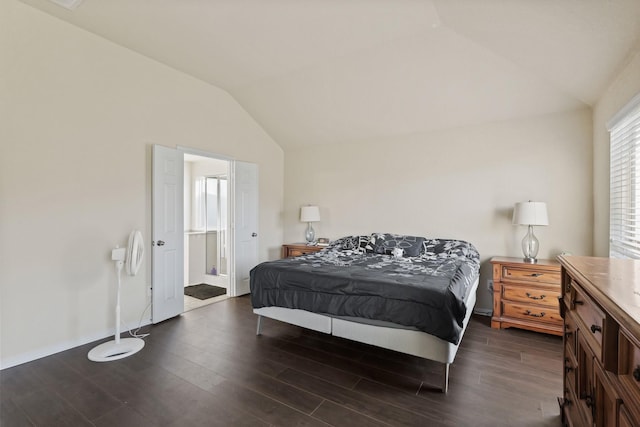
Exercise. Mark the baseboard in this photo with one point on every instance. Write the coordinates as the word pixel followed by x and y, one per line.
pixel 57 348
pixel 483 312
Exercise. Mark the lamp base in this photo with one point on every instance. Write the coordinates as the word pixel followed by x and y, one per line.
pixel 310 235
pixel 530 246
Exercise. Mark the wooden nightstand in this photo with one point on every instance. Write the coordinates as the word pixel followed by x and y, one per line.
pixel 526 295
pixel 297 249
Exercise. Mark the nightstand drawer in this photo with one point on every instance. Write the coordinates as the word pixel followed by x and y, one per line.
pixel 530 275
pixel 531 295
pixel 298 252
pixel 531 312
pixel 296 249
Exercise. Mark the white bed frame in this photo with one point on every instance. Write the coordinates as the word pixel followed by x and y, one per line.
pixel 406 341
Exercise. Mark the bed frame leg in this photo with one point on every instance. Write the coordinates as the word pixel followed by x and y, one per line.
pixel 445 382
pixel 259 328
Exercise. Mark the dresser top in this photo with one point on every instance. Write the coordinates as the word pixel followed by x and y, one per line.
pixel 613 282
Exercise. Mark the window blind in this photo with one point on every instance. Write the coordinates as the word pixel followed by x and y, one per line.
pixel 624 182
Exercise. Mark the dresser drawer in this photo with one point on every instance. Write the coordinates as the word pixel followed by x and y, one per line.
pixel 531 312
pixel 570 370
pixel 573 416
pixel 531 295
pixel 530 275
pixel 570 333
pixel 624 419
pixel 592 317
pixel 629 362
pixel 567 282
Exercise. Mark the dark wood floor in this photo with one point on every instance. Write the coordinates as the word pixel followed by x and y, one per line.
pixel 208 368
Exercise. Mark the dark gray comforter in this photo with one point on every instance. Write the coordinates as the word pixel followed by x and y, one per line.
pixel 426 291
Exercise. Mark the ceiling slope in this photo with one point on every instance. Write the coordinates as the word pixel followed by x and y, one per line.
pixel 328 71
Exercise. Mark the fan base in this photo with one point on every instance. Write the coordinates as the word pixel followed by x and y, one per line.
pixel 108 351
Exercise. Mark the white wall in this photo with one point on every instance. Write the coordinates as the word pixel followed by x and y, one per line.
pixel 79 115
pixel 460 183
pixel 620 91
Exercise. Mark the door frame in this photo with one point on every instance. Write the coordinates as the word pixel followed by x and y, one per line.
pixel 233 289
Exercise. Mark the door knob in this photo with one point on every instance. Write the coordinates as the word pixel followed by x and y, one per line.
pixel 254 234
pixel 160 243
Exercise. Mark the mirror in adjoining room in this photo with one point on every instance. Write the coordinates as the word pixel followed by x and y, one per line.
pixel 216 225
pixel 206 230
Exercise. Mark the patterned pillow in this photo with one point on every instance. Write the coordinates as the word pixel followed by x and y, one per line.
pixel 350 243
pixel 450 248
pixel 384 243
pixel 366 243
pixel 356 243
pixel 435 246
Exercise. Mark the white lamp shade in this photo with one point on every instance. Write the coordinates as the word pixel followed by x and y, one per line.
pixel 310 214
pixel 530 213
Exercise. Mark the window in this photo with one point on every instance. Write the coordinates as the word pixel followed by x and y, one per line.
pixel 624 182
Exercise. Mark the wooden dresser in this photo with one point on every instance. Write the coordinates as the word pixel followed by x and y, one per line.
pixel 526 295
pixel 297 249
pixel 601 309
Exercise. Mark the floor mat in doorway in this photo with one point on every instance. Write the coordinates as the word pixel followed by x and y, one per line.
pixel 204 291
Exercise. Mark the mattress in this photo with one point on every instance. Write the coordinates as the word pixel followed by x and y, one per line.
pixel 426 292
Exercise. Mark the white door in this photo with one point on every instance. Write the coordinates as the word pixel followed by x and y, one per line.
pixel 168 234
pixel 245 224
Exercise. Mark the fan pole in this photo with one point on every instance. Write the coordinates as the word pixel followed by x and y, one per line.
pixel 116 348
pixel 119 265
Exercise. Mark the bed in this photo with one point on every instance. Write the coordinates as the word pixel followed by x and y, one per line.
pixel 404 293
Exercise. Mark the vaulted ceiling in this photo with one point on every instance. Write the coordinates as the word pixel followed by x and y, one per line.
pixel 339 71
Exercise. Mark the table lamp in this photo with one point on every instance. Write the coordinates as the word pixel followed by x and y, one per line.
pixel 530 214
pixel 310 214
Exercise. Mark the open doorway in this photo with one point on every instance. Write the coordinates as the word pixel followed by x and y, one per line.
pixel 169 233
pixel 206 225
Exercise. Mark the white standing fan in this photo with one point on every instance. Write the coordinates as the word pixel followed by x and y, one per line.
pixel 131 259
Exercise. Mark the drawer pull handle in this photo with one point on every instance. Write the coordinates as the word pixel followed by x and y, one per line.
pixel 588 400
pixel 576 302
pixel 636 373
pixel 529 313
pixel 566 401
pixel 535 297
pixel 596 328
pixel 536 274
